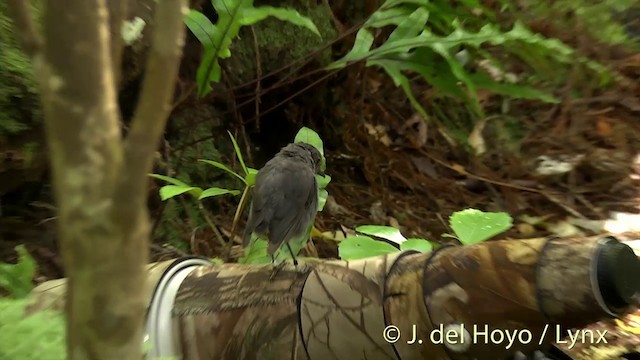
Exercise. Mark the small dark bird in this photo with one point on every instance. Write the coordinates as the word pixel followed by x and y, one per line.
pixel 285 197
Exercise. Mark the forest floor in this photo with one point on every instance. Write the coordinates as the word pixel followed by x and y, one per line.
pixel 573 170
pixel 575 166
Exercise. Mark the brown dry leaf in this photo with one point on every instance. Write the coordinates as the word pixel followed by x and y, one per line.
pixel 415 129
pixel 534 220
pixel 374 85
pixel 379 132
pixel 393 222
pixel 483 95
pixel 459 168
pixel 332 235
pixel 564 229
pixel 425 166
pixel 476 140
pixel 630 324
pixel 604 126
pixel 525 229
pixel 632 61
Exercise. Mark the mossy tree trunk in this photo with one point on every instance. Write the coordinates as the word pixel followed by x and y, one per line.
pixel 99 178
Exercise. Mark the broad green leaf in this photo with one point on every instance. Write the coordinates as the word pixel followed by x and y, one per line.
pixel 322 198
pixel 256 253
pixel 360 247
pixel 16 278
pixel 216 261
pixel 223 167
pixel 210 192
pixel 323 181
pixel 386 232
pixel 473 226
pixel 169 179
pixel 169 191
pixel 238 153
pixel 296 244
pixel 311 137
pixel 253 15
pixel 421 245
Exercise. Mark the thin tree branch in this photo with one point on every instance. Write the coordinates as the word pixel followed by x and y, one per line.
pixel 117 13
pixel 154 103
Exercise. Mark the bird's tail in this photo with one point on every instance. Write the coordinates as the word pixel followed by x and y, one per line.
pixel 246 237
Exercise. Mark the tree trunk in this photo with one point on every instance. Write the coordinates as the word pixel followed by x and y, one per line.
pixel 99 179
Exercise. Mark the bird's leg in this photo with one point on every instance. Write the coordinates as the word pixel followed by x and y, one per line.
pixel 275 268
pixel 295 261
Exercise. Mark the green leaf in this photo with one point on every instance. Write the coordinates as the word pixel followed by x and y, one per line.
pixel 250 179
pixel 16 278
pixel 216 39
pixel 386 232
pixel 473 226
pixel 391 3
pixel 323 181
pixel 401 80
pixel 256 253
pixel 216 261
pixel 512 90
pixel 169 179
pixel 383 18
pixel 360 247
pixel 322 198
pixel 251 16
pixel 225 168
pixel 219 41
pixel 406 48
pixel 210 192
pixel 201 27
pixel 238 153
pixel 311 137
pixel 169 191
pixel 360 50
pixel 421 245
pixel 412 25
pixel 434 69
pixel 29 335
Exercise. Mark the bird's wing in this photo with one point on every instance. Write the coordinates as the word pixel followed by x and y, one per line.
pixel 294 210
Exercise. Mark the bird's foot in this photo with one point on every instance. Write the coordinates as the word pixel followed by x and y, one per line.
pixel 275 269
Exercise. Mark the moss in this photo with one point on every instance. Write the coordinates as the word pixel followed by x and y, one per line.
pixel 280 44
pixel 19 108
